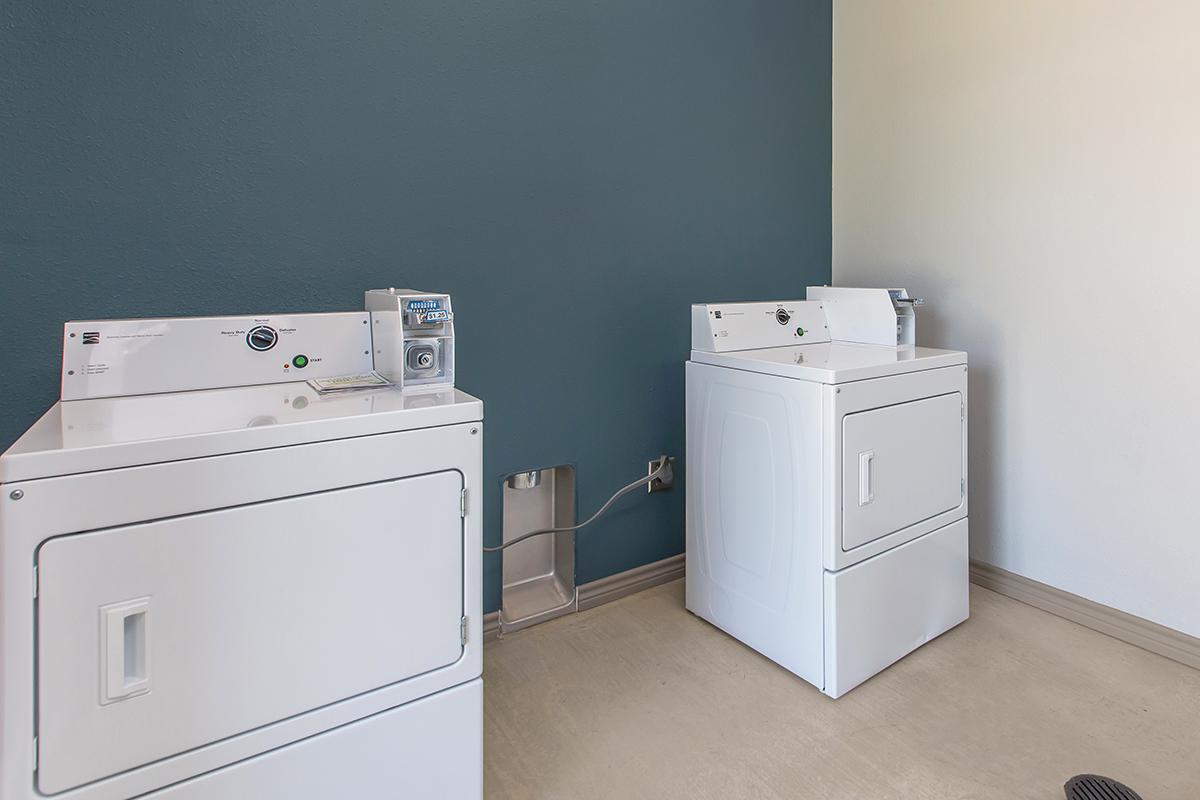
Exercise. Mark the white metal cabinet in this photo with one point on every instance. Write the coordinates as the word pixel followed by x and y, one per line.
pixel 881 609
pixel 135 473
pixel 67 490
pixel 827 498
pixel 150 635
pixel 429 749
pixel 901 464
pixel 754 512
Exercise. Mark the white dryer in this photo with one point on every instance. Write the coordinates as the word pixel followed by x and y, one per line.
pixel 247 592
pixel 827 482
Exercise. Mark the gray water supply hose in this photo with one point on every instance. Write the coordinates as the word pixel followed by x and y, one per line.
pixel 662 469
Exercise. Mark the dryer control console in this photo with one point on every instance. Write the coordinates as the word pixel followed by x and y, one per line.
pixel 117 357
pixel 722 327
pixel 831 313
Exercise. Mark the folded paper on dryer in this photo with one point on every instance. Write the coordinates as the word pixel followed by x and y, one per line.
pixel 344 383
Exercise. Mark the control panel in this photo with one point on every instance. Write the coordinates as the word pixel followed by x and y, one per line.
pixel 722 327
pixel 414 337
pixel 111 358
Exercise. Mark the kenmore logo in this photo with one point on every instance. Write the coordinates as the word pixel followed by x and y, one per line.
pixel 91 337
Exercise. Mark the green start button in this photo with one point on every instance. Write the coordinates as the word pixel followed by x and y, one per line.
pixel 300 362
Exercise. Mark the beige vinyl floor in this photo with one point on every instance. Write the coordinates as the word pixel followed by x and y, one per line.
pixel 640 699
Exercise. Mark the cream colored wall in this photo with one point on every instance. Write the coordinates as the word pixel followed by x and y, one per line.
pixel 1033 169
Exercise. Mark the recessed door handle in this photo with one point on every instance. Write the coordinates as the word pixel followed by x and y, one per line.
pixel 124 650
pixel 866 491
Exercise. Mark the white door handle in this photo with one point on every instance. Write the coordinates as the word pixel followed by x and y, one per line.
pixel 866 492
pixel 124 650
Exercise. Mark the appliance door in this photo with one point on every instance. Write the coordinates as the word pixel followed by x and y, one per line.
pixel 157 638
pixel 901 464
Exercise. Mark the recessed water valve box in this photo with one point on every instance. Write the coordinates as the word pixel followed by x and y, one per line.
pixel 413 336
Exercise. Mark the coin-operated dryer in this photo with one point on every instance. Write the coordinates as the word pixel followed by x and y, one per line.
pixel 827 481
pixel 220 583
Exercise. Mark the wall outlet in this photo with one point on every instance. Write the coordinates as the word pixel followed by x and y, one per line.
pixel 664 481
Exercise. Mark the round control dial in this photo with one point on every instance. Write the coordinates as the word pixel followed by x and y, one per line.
pixel 262 338
pixel 782 316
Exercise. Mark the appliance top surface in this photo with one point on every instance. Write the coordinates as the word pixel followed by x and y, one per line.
pixel 107 433
pixel 834 362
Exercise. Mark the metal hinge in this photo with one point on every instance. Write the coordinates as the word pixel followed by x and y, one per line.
pixel 962 487
pixel 35 580
pixel 462 631
pixel 962 410
pixel 462 503
pixel 35 753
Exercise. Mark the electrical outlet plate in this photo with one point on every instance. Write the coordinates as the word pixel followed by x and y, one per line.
pixel 665 481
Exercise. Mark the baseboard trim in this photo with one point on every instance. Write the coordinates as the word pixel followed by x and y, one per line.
pixel 1127 628
pixel 606 590
pixel 1133 630
pixel 614 587
pixel 491 626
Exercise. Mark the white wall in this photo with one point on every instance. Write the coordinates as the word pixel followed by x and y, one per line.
pixel 1032 167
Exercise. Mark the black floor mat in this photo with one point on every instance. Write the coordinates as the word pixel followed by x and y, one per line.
pixel 1096 787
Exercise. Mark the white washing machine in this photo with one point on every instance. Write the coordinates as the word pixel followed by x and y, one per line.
pixel 827 481
pixel 246 592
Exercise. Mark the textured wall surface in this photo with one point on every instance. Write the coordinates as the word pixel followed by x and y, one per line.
pixel 1030 167
pixel 575 174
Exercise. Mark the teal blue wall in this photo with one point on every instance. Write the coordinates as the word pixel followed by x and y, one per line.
pixel 574 173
